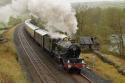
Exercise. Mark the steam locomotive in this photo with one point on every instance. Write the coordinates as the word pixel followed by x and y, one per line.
pixel 64 51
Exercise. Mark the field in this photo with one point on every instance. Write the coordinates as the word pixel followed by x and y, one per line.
pixel 104 69
pixel 10 70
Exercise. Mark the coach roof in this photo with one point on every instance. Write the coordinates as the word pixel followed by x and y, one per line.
pixel 30 25
pixel 42 32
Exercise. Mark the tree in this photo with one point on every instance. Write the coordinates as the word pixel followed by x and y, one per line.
pixel 14 21
pixel 115 19
pixel 102 23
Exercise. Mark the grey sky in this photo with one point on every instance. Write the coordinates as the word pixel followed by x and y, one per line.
pixel 93 0
pixel 3 2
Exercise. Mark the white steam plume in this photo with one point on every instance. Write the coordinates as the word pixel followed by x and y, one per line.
pixel 57 14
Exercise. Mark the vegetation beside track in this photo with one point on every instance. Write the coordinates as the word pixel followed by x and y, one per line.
pixel 10 70
pixel 103 23
pixel 103 69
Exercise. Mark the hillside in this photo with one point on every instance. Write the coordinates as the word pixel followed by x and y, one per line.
pixel 10 70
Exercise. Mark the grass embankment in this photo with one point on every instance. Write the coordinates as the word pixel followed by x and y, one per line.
pixel 117 60
pixel 104 69
pixel 10 70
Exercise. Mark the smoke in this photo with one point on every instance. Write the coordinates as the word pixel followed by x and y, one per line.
pixel 57 15
pixel 16 8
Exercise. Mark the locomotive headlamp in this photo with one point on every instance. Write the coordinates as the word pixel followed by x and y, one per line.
pixel 83 61
pixel 69 66
pixel 68 61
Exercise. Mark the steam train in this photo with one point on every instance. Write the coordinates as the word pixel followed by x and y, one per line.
pixel 64 51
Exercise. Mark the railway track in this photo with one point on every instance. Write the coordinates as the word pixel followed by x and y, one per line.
pixel 92 76
pixel 38 71
pixel 36 62
pixel 41 68
pixel 86 78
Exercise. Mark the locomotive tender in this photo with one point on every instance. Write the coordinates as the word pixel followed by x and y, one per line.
pixel 65 52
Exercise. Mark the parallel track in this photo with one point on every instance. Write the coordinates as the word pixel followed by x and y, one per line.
pixel 86 78
pixel 93 77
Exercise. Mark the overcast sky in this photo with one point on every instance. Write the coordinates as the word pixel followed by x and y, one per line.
pixel 92 0
pixel 2 2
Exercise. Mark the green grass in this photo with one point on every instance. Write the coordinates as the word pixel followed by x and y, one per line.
pixel 10 70
pixel 1 27
pixel 1 32
pixel 103 69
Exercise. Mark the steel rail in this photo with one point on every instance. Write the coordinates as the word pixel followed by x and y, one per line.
pixel 29 56
pixel 86 78
pixel 36 59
